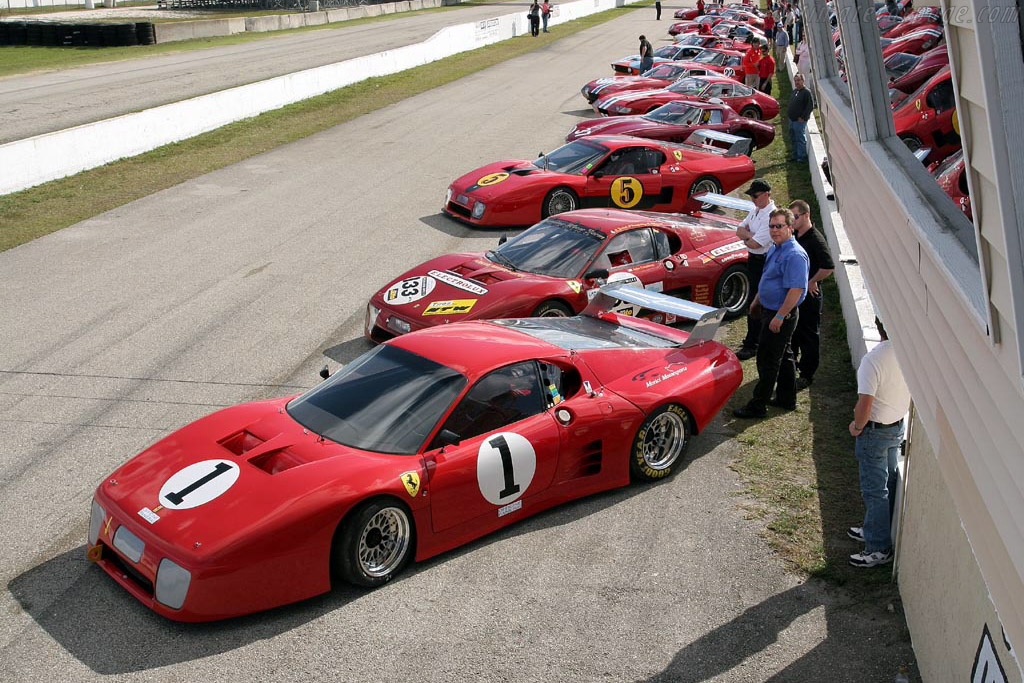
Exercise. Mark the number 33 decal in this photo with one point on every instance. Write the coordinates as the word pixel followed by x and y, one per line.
pixel 505 465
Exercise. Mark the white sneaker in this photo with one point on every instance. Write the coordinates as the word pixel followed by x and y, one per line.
pixel 856 533
pixel 866 559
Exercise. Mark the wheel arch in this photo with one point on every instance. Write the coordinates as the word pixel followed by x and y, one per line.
pixel 388 496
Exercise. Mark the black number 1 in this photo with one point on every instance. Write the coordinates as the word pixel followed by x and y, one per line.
pixel 218 469
pixel 506 465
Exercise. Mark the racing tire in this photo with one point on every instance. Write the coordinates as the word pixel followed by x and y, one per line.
pixel 660 443
pixel 552 309
pixel 559 200
pixel 374 543
pixel 733 291
pixel 705 183
pixel 751 112
pixel 912 142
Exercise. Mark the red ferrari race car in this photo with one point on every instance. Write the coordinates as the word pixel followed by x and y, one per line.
pixel 665 53
pixel 928 118
pixel 416 447
pixel 676 121
pixel 622 171
pixel 913 43
pixel 555 268
pixel 693 13
pixel 951 175
pixel 659 77
pixel 742 99
pixel 908 72
pixel 739 32
pixel 925 17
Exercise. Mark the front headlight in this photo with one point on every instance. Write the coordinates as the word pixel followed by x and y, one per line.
pixel 447 196
pixel 399 325
pixel 172 581
pixel 371 314
pixel 478 209
pixel 96 522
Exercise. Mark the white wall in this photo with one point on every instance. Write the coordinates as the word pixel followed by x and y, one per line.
pixel 29 162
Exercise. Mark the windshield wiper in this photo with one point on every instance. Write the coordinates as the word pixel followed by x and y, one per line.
pixel 501 258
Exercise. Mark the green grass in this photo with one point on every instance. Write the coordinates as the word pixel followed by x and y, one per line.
pixel 46 208
pixel 799 466
pixel 48 9
pixel 23 59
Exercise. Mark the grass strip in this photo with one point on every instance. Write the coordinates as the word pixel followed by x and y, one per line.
pixel 23 59
pixel 799 467
pixel 43 209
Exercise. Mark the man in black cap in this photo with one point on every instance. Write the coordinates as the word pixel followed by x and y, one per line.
pixel 754 233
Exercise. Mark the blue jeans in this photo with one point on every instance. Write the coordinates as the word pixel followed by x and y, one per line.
pixel 877 448
pixel 798 136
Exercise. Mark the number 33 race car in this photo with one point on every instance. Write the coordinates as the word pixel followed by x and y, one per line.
pixel 418 446
pixel 620 171
pixel 555 268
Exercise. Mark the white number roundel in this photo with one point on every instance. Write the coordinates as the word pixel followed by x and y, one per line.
pixel 629 279
pixel 505 465
pixel 198 483
pixel 409 290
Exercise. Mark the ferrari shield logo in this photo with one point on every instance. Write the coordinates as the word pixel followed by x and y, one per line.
pixel 412 483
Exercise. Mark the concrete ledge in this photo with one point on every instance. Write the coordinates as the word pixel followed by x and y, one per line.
pixel 205 28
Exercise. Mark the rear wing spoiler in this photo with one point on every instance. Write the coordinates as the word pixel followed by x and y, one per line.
pixel 707 319
pixel 725 201
pixel 922 154
pixel 723 143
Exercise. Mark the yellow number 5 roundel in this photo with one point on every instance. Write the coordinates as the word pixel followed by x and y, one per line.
pixel 492 179
pixel 627 192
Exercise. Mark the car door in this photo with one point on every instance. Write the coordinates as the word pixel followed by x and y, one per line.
pixel 505 450
pixel 937 117
pixel 628 178
pixel 633 253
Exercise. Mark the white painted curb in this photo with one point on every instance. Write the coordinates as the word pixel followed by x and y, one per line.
pixel 39 159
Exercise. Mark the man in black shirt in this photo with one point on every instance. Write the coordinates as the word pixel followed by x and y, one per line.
pixel 806 340
pixel 646 54
pixel 801 104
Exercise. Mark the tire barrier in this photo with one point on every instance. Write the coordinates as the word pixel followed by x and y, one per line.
pixel 76 35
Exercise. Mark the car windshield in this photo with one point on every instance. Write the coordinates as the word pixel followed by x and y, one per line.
pixel 687 86
pixel 387 400
pixel 576 157
pixel 554 247
pixel 664 71
pixel 676 113
pixel 948 163
pixel 691 39
pixel 900 64
pixel 666 51
pixel 709 57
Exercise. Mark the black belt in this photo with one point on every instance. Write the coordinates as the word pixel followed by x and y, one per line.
pixel 879 425
pixel 753 257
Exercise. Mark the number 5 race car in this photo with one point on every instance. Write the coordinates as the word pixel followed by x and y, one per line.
pixel 419 446
pixel 617 171
pixel 555 268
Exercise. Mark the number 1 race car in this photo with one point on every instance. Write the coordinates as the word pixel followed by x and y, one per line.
pixel 555 268
pixel 416 447
pixel 622 171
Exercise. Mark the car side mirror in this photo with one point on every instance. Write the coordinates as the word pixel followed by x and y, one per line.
pixel 597 175
pixel 596 274
pixel 502 240
pixel 448 437
pixel 540 154
pixel 324 372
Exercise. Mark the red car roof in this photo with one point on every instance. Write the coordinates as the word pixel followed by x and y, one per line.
pixel 474 346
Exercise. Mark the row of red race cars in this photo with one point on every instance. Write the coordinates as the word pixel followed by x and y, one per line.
pixel 504 382
pixel 916 61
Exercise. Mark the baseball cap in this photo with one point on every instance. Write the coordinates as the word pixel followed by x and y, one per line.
pixel 759 185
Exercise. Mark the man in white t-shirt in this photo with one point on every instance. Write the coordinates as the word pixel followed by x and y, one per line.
pixel 753 230
pixel 883 400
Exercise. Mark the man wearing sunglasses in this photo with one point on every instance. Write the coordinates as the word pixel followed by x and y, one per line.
pixel 782 288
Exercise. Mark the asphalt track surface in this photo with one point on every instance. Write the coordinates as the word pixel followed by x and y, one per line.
pixel 235 286
pixel 42 103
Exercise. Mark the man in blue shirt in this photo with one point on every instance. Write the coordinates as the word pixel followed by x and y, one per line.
pixel 782 288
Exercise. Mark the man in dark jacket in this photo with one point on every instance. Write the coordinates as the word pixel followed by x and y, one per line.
pixel 801 104
pixel 806 339
pixel 646 54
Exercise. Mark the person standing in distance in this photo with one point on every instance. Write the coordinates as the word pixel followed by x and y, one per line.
pixel 646 55
pixel 806 339
pixel 766 69
pixel 801 105
pixel 883 400
pixel 753 230
pixel 700 7
pixel 657 7
pixel 545 14
pixel 781 290
pixel 534 15
pixel 750 61
pixel 781 45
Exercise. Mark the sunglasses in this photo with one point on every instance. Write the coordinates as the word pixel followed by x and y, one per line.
pixel 778 225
